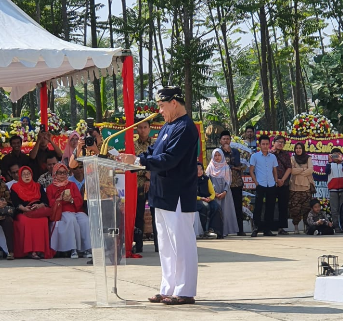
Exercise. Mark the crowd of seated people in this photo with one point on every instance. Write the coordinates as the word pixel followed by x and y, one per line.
pixel 29 187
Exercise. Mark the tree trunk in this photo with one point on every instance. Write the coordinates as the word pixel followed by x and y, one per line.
pixel 292 77
pixel 304 93
pixel 65 23
pixel 85 101
pixel 52 98
pixel 52 13
pixel 32 105
pixel 126 36
pixel 231 91
pixel 159 64
pixel 297 60
pixel 271 82
pixel 38 11
pixel 114 79
pixel 151 34
pixel 140 53
pixel 255 39
pixel 14 109
pixel 161 45
pixel 95 45
pixel 72 106
pixel 173 36
pixel 264 68
pixel 188 33
pixel 279 85
pixel 85 84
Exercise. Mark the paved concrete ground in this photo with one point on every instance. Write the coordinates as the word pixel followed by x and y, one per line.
pixel 239 279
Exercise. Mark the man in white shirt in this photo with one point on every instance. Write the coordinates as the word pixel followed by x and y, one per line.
pixel 264 174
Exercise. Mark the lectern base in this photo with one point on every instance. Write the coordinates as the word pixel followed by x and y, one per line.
pixel 119 304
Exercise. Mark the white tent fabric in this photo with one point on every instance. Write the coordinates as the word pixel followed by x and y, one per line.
pixel 30 55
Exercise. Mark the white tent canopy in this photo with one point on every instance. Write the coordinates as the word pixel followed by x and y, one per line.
pixel 30 55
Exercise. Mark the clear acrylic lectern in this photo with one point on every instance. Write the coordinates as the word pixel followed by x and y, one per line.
pixel 106 211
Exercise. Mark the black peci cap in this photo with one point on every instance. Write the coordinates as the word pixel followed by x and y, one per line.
pixel 169 93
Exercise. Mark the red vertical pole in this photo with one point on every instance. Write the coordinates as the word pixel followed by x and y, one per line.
pixel 44 105
pixel 130 178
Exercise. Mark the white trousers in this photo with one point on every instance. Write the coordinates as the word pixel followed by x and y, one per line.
pixel 178 252
pixel 71 233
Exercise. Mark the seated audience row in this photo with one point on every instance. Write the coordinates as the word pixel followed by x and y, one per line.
pixel 29 233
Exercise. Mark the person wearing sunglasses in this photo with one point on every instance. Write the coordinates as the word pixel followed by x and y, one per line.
pixel 72 231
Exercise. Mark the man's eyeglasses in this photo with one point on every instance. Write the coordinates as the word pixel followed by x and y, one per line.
pixel 61 173
pixel 13 173
pixel 280 142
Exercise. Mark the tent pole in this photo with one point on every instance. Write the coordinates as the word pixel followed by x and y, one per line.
pixel 130 178
pixel 44 105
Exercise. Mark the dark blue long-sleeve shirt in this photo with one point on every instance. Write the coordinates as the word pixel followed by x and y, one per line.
pixel 172 161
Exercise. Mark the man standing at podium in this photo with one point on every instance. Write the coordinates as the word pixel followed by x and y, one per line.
pixel 172 161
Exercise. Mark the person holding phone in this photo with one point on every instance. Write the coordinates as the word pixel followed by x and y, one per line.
pixel 317 221
pixel 40 151
pixel 334 170
pixel 72 231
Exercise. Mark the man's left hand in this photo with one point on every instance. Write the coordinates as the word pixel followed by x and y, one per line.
pixel 126 158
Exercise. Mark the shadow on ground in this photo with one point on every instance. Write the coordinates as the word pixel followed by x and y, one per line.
pixel 269 308
pixel 150 258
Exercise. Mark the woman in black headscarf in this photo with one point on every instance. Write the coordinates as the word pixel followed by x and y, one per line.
pixel 300 186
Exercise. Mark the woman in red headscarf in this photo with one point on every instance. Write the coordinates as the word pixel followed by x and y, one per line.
pixel 31 231
pixel 72 231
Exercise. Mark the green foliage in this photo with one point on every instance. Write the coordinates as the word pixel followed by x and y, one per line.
pixel 327 82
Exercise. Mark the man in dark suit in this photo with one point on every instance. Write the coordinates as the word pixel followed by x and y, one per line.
pixel 172 161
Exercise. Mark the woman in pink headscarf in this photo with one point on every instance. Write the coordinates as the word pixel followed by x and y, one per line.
pixel 71 145
pixel 220 176
pixel 71 233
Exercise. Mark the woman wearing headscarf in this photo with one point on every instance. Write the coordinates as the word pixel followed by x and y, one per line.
pixel 220 175
pixel 70 147
pixel 72 231
pixel 31 223
pixel 301 178
pixel 25 121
